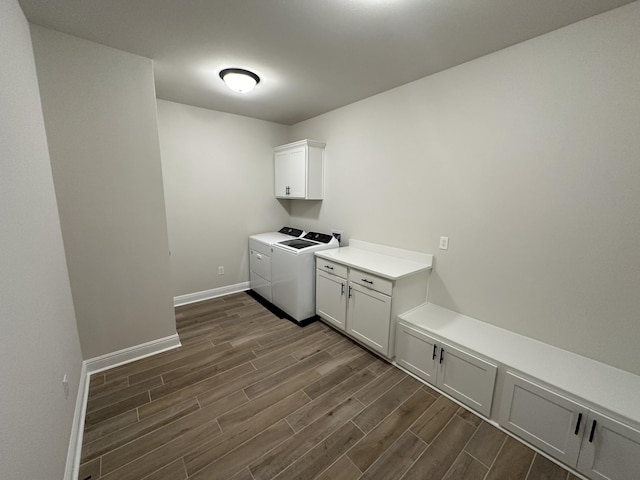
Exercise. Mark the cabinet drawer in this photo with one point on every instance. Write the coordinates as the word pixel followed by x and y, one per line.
pixel 331 267
pixel 379 284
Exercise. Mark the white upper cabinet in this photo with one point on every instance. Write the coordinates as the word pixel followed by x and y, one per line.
pixel 299 170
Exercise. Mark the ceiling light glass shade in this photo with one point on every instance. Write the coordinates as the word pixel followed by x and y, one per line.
pixel 239 80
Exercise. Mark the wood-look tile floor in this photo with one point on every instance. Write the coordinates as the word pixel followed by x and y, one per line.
pixel 250 396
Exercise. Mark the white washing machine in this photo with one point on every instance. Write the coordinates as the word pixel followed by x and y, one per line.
pixel 260 258
pixel 293 277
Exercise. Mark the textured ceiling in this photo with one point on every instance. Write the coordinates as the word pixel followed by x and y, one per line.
pixel 312 55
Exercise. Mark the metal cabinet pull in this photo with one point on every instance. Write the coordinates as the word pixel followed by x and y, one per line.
pixel 435 349
pixel 342 289
pixel 593 431
pixel 329 267
pixel 578 424
pixel 441 354
pixel 367 281
pixel 349 291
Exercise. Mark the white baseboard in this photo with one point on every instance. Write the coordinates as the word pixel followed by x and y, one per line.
pixel 209 294
pixel 95 365
pixel 130 354
pixel 77 427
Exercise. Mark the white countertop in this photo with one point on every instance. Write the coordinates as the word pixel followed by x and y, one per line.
pixel 597 383
pixel 388 262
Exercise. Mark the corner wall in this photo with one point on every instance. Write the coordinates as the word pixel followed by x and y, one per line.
pixel 101 120
pixel 528 159
pixel 218 180
pixel 39 335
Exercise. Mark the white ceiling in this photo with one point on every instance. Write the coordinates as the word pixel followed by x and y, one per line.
pixel 312 55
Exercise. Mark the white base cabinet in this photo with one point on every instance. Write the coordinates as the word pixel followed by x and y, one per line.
pixel 592 443
pixel 461 374
pixel 361 289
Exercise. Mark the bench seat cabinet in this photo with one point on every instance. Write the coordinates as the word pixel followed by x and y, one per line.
pixel 459 373
pixel 299 170
pixel 582 438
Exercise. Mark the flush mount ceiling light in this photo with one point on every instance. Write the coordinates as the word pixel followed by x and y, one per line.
pixel 239 80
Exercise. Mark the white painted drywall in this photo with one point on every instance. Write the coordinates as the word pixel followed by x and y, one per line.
pixel 218 177
pixel 529 161
pixel 101 121
pixel 39 336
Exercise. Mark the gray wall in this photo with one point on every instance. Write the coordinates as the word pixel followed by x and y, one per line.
pixel 100 115
pixel 529 160
pixel 219 190
pixel 39 336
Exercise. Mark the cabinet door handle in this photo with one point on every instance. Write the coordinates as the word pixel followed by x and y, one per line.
pixel 342 289
pixel 578 424
pixel 349 291
pixel 367 281
pixel 441 354
pixel 593 431
pixel 329 267
pixel 435 350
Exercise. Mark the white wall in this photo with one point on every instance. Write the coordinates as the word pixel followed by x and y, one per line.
pixel 529 160
pixel 218 178
pixel 101 120
pixel 39 336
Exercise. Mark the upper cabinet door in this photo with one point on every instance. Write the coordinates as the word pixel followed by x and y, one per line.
pixel 281 169
pixel 299 170
pixel 297 173
pixel 610 450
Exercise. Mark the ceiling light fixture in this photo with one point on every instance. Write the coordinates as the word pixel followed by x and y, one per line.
pixel 239 80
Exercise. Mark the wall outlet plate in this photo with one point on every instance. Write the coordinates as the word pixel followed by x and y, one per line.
pixel 444 243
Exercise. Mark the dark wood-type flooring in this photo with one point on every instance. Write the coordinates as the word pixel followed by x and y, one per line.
pixel 250 396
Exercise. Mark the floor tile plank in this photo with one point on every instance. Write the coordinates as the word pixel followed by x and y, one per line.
pixel 366 452
pixel 512 463
pixel 439 456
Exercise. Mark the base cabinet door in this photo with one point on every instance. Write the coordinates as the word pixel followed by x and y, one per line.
pixel 551 422
pixel 466 378
pixel 417 352
pixel 462 375
pixel 369 317
pixel 331 298
pixel 610 449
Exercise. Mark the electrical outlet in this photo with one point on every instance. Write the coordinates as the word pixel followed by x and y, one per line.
pixel 65 386
pixel 444 243
pixel 337 234
pixel 220 270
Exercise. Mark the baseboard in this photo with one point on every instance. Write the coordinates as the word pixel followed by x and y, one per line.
pixel 209 294
pixel 77 427
pixel 95 365
pixel 130 354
